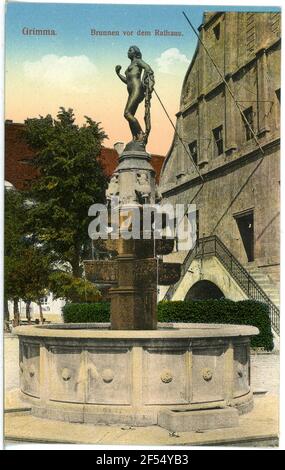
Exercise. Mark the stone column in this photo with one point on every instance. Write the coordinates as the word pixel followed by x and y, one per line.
pixel 230 46
pixel 133 300
pixel 202 58
pixel 133 303
pixel 203 132
pixel 263 104
pixel 230 118
pixel 230 42
pixel 180 150
pixel 263 30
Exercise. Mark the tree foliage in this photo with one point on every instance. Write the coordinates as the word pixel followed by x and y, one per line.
pixel 15 218
pixel 27 266
pixel 75 289
pixel 29 273
pixel 46 227
pixel 14 242
pixel 70 181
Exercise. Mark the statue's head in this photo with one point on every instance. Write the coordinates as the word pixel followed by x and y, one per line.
pixel 134 51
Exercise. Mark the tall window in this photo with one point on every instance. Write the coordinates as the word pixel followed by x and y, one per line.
pixel 218 141
pixel 194 151
pixel 278 94
pixel 248 114
pixel 245 225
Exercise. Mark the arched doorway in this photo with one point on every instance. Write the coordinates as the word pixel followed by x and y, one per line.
pixel 203 290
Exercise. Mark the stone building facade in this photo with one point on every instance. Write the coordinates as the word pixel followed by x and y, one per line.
pixel 215 160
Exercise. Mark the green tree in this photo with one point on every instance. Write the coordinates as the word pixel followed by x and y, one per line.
pixel 14 242
pixel 28 275
pixel 27 266
pixel 64 285
pixel 70 181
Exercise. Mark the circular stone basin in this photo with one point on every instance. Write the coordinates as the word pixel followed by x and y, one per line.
pixel 89 373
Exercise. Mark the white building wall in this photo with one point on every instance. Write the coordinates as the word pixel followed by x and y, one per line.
pixel 52 309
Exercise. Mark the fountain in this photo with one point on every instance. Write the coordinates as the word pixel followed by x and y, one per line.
pixel 134 371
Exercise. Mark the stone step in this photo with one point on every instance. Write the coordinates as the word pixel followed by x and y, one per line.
pixel 175 257
pixel 265 283
pixel 261 276
pixel 263 280
pixel 256 271
pixel 266 286
pixel 258 275
pixel 271 294
pixel 269 291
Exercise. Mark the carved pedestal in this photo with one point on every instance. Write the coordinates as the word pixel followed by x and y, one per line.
pixel 133 287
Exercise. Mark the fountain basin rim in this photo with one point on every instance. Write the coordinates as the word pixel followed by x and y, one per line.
pixel 164 331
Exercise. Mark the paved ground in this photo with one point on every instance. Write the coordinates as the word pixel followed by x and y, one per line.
pixel 11 361
pixel 265 372
pixel 259 428
pixel 265 368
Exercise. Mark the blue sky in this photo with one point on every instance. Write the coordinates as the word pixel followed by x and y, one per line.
pixel 74 21
pixel 74 69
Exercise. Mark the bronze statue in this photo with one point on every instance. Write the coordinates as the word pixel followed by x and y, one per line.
pixel 138 89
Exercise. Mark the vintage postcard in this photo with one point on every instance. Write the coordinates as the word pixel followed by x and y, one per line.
pixel 141 240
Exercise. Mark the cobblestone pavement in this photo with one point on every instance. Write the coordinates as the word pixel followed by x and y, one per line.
pixel 11 361
pixel 264 368
pixel 265 372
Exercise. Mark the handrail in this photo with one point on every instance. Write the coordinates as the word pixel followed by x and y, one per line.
pixel 212 245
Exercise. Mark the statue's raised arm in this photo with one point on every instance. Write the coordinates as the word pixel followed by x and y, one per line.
pixel 139 88
pixel 118 69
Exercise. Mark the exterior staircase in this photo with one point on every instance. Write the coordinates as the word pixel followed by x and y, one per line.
pixel 256 285
pixel 266 284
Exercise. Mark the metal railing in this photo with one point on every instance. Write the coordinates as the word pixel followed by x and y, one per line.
pixel 213 246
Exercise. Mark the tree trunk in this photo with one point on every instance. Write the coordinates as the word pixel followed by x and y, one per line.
pixel 16 321
pixel 6 311
pixel 28 311
pixel 75 262
pixel 6 316
pixel 76 270
pixel 41 312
